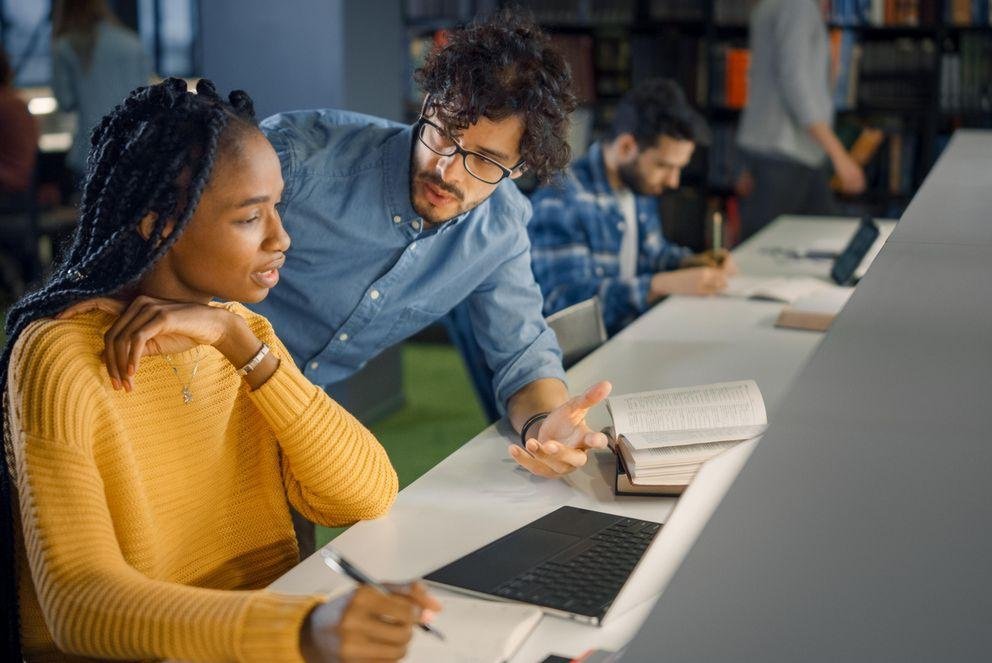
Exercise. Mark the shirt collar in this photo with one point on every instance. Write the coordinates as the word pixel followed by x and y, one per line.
pixel 396 175
pixel 597 170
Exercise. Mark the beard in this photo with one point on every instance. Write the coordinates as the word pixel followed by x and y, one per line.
pixel 633 180
pixel 429 213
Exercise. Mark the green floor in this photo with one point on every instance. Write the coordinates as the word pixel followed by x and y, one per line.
pixel 441 413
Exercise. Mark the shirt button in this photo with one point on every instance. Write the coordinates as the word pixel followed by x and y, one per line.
pixel 343 337
pixel 599 271
pixel 397 218
pixel 314 365
pixel 374 294
pixel 621 225
pixel 416 224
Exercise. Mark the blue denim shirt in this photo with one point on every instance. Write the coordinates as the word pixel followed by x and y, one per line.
pixel 577 231
pixel 363 273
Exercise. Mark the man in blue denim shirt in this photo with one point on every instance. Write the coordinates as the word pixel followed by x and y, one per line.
pixel 392 226
pixel 597 232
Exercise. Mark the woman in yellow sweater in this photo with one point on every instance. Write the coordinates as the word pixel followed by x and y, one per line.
pixel 154 440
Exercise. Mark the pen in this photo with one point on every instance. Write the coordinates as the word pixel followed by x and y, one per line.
pixel 335 561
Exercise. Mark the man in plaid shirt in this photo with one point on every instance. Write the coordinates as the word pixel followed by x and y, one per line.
pixel 597 230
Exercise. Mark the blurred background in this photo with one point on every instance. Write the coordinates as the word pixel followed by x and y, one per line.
pixel 909 72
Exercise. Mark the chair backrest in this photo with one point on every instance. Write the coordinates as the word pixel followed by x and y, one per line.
pixel 579 329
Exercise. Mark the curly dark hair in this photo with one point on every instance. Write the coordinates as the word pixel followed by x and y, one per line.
pixel 655 108
pixel 153 153
pixel 500 67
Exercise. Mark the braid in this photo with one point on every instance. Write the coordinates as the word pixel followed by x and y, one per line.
pixel 159 136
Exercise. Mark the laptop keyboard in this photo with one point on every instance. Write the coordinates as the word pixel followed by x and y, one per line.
pixel 585 578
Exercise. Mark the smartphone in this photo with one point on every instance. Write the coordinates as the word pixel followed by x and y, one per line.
pixel 850 258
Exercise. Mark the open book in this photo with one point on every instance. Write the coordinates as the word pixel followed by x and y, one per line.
pixel 663 437
pixel 781 288
pixel 475 631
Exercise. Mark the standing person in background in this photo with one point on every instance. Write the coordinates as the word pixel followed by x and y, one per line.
pixel 18 155
pixel 786 130
pixel 598 232
pixel 96 62
pixel 18 137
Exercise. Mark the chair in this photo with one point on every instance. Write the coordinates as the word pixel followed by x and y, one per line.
pixel 579 329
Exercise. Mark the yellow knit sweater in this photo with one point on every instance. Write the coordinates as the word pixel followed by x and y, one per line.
pixel 150 526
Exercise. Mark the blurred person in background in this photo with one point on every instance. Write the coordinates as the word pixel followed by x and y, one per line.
pixel 786 130
pixel 597 231
pixel 96 62
pixel 18 138
pixel 18 156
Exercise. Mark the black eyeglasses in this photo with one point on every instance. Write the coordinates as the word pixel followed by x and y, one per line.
pixel 478 165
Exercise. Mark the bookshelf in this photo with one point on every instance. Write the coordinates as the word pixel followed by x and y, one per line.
pixel 917 69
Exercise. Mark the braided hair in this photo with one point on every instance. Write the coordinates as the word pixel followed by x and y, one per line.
pixel 153 153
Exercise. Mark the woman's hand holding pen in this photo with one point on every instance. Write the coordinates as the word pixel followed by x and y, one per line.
pixel 366 625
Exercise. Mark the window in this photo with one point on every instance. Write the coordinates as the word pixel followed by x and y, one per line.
pixel 168 29
pixel 25 30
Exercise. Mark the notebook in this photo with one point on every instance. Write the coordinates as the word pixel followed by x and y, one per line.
pixel 475 631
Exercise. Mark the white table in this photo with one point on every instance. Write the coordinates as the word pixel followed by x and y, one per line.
pixel 477 494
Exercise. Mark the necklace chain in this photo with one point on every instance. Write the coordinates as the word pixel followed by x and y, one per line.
pixel 186 391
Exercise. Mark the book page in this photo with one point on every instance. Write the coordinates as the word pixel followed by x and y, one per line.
pixel 475 631
pixel 782 289
pixel 653 439
pixel 723 405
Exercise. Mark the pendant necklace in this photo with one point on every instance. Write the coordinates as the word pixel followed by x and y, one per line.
pixel 186 392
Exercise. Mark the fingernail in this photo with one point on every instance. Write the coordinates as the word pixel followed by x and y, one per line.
pixel 115 383
pixel 427 615
pixel 514 451
pixel 532 445
pixel 130 369
pixel 551 447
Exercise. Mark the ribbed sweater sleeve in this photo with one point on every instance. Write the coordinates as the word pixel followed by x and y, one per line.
pixel 97 605
pixel 334 470
pixel 94 602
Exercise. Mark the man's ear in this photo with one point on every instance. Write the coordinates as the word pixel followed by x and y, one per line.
pixel 626 146
pixel 147 225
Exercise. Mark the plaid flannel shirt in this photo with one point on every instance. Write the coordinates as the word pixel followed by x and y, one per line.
pixel 576 232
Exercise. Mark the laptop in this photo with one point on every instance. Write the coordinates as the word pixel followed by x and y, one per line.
pixel 572 563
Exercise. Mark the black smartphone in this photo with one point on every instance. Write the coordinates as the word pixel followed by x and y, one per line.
pixel 847 262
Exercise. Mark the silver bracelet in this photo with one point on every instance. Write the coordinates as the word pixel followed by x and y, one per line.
pixel 254 361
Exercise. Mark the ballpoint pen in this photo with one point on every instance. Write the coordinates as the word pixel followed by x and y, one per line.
pixel 335 561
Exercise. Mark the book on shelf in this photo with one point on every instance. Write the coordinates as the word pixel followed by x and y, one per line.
pixel 733 12
pixel 885 12
pixel 724 159
pixel 966 75
pixel 679 10
pixel 663 437
pixel 729 67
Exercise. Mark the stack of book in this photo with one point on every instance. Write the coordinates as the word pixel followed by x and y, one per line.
pixel 663 437
pixel 966 75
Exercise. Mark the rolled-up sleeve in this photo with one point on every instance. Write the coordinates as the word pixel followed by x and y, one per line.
pixel 801 72
pixel 505 311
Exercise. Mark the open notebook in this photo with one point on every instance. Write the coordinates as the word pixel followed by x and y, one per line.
pixel 475 631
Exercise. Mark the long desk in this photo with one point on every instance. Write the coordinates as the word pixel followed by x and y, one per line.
pixel 859 529
pixel 477 494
